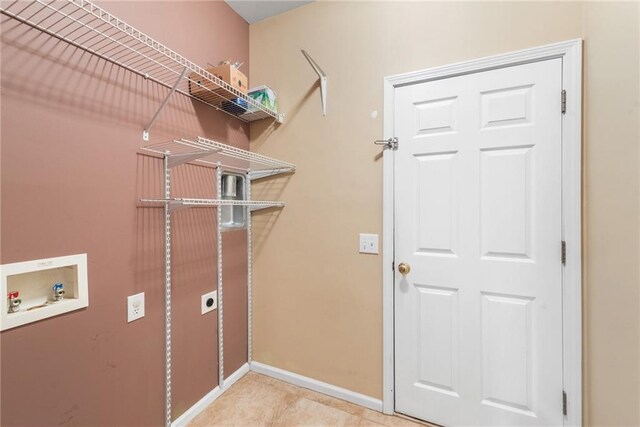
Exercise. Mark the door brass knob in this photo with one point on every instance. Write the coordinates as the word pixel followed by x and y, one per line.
pixel 404 268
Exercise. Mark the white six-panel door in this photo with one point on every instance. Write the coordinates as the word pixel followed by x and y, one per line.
pixel 478 319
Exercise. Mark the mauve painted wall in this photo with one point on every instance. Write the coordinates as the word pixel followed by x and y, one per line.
pixel 71 177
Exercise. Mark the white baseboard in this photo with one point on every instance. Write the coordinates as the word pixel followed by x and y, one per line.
pixel 280 374
pixel 210 397
pixel 318 386
pixel 233 378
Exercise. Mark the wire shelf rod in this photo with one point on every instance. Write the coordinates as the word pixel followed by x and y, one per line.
pixel 96 54
pixel 25 8
pixel 110 38
pixel 175 204
pixel 92 29
pixel 238 152
pixel 45 18
pixel 265 162
pixel 199 149
pixel 231 150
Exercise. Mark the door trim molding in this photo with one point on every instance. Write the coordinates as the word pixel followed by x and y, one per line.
pixel 571 54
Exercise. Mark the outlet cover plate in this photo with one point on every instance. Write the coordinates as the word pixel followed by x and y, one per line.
pixel 135 307
pixel 368 243
pixel 205 298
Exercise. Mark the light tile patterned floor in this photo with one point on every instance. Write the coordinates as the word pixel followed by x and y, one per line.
pixel 257 400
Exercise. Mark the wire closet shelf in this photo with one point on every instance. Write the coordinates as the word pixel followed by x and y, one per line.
pixel 226 157
pixel 203 150
pixel 94 30
pixel 181 203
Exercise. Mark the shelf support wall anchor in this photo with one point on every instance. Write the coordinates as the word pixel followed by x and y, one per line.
pixel 323 81
pixel 145 132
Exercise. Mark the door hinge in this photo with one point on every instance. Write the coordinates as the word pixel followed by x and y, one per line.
pixel 563 101
pixel 564 402
pixel 564 252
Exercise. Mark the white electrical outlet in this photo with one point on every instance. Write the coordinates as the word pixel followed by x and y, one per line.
pixel 368 243
pixel 135 307
pixel 209 302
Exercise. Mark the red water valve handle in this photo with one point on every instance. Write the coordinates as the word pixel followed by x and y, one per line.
pixel 13 294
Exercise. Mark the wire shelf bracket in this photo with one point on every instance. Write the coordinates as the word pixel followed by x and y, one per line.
pixel 145 131
pixel 323 80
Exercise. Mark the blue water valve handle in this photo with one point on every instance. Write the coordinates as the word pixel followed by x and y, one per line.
pixel 58 291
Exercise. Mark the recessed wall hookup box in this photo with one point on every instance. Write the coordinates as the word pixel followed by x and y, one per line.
pixel 233 187
pixel 38 289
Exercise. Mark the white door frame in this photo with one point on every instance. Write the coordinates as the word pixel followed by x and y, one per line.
pixel 571 54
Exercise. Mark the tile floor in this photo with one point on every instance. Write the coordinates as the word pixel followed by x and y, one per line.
pixel 257 400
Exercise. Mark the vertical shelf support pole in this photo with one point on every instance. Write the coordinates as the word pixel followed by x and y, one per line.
pixel 167 295
pixel 220 305
pixel 249 277
pixel 145 132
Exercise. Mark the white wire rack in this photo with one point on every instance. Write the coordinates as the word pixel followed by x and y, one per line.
pixel 94 30
pixel 200 149
pixel 180 203
pixel 204 150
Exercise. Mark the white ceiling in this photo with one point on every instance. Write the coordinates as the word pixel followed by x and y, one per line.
pixel 256 10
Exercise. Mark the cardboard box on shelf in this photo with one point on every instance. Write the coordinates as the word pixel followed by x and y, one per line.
pixel 231 75
pixel 202 88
